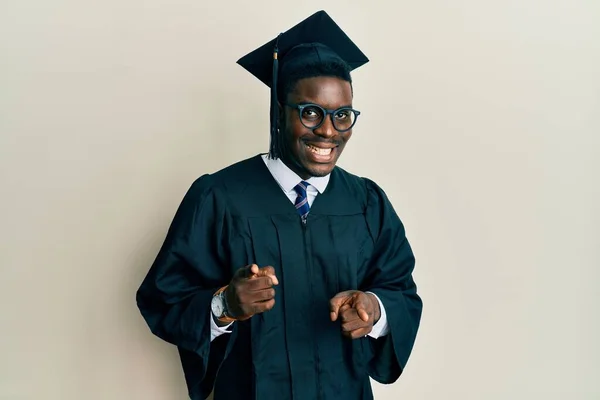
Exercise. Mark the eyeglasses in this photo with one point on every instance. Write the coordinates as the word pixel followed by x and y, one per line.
pixel 313 116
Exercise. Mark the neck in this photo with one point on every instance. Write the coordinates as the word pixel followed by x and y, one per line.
pixel 298 170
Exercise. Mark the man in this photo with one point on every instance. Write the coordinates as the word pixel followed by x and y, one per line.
pixel 284 276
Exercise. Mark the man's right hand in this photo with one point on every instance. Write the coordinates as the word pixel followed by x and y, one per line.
pixel 251 291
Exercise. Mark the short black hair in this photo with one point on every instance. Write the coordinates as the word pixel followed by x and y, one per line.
pixel 287 84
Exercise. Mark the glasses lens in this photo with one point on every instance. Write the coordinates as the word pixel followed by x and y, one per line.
pixel 343 119
pixel 312 116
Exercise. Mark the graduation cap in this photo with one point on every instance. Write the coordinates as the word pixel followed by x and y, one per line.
pixel 317 39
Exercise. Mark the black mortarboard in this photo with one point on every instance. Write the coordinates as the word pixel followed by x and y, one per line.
pixel 317 39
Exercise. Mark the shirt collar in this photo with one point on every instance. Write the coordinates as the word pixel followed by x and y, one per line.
pixel 287 179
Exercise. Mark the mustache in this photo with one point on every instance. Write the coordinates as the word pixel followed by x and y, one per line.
pixel 317 140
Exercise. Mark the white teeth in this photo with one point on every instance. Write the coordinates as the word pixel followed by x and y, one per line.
pixel 319 151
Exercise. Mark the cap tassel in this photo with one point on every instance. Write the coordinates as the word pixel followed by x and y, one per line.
pixel 274 148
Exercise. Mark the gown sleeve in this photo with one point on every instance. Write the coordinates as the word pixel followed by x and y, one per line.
pixel 175 296
pixel 389 276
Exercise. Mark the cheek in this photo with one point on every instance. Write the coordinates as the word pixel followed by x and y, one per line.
pixel 295 129
pixel 288 125
pixel 346 136
pixel 289 135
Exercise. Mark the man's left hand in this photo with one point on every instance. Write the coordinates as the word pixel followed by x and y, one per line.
pixel 358 312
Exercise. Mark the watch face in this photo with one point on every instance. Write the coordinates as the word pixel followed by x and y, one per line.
pixel 217 306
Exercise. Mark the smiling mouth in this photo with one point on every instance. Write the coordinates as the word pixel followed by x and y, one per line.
pixel 321 151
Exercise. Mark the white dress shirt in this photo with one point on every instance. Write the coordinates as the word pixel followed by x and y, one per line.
pixel 287 180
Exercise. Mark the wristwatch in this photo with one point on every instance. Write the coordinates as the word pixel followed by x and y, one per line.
pixel 218 306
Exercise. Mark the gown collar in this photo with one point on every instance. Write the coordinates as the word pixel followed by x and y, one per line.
pixel 288 179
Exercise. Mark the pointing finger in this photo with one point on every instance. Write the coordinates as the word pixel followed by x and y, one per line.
pixel 336 303
pixel 249 271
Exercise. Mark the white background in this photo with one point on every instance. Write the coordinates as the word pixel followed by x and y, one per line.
pixel 480 120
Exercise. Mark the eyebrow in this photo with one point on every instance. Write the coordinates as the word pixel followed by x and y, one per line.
pixel 304 103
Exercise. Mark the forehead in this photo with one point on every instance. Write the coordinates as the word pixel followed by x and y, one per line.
pixel 329 92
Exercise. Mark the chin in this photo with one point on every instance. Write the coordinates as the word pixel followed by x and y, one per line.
pixel 319 170
pixel 306 168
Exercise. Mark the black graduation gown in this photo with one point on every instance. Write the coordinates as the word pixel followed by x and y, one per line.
pixel 352 239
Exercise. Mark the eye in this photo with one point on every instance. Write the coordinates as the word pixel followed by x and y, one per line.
pixel 311 113
pixel 342 115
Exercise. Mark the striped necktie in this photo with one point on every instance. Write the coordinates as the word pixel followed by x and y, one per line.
pixel 301 203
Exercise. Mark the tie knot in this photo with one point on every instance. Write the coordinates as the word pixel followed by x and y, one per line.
pixel 301 188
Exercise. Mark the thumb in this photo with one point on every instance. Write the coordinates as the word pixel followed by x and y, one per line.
pixel 248 271
pixel 361 309
pixel 253 270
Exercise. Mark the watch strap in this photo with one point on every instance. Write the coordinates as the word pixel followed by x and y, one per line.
pixel 226 319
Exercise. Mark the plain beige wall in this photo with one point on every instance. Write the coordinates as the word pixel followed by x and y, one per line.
pixel 480 119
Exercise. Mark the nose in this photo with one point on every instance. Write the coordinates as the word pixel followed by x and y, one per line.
pixel 326 129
